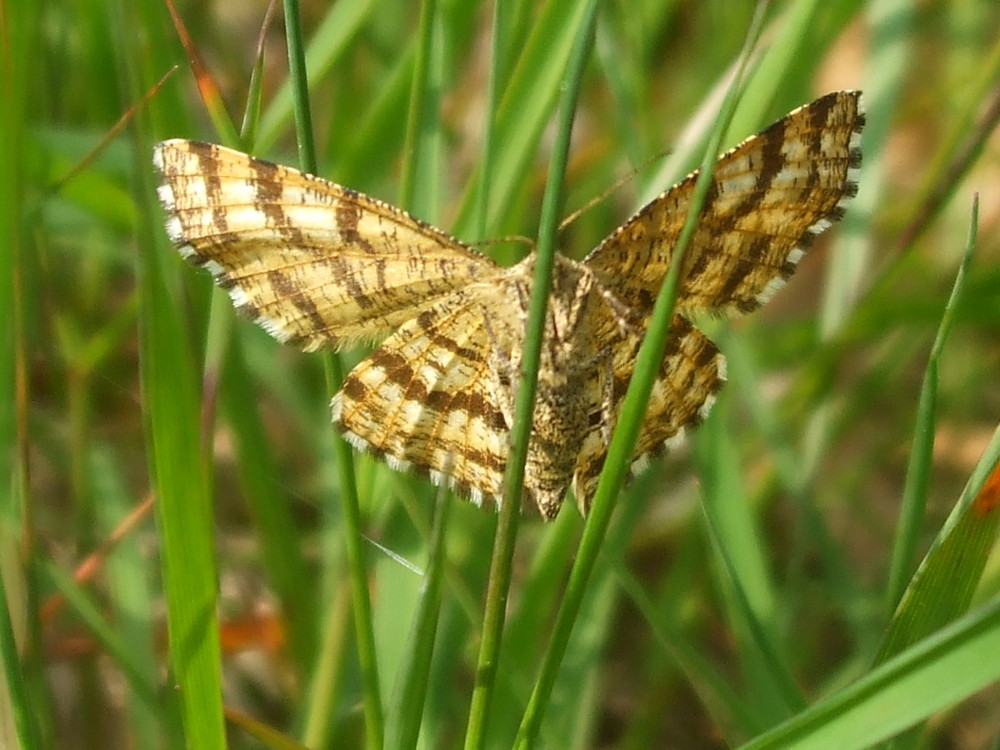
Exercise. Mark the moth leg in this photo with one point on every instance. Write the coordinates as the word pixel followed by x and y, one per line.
pixel 608 397
pixel 630 323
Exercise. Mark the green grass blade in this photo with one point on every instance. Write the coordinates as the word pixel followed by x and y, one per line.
pixel 498 46
pixel 298 78
pixel 175 455
pixel 183 511
pixel 422 167
pixel 421 150
pixel 918 469
pixel 406 708
pixel 626 432
pixel 538 598
pixel 19 668
pixel 946 580
pixel 17 704
pixel 184 505
pixel 251 112
pixel 723 703
pixel 364 630
pixel 182 488
pixel 331 664
pixel 944 583
pixel 157 723
pixel 263 733
pixel 328 44
pixel 930 676
pixel 503 550
pixel 575 709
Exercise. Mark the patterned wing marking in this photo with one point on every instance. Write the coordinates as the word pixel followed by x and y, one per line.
pixel 314 263
pixel 428 398
pixel 770 196
pixel 322 266
pixel 691 373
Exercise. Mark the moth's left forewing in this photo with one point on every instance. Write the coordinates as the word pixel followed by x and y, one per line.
pixel 316 264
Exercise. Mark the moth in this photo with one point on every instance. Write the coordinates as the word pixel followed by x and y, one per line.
pixel 321 266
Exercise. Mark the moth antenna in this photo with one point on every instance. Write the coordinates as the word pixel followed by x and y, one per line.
pixel 613 188
pixel 517 239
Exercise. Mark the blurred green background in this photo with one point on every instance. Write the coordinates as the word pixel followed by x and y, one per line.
pixel 744 579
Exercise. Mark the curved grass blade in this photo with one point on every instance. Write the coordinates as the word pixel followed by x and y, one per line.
pixel 918 470
pixel 928 677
